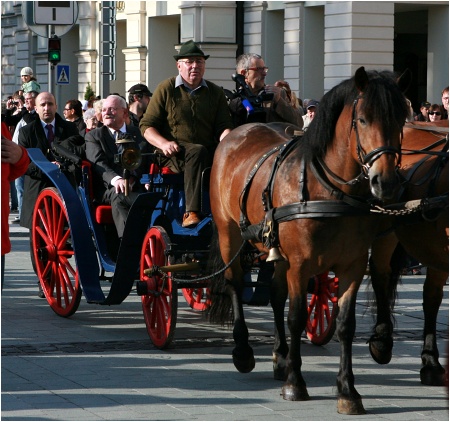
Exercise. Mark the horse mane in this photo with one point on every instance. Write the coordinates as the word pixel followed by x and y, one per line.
pixel 383 102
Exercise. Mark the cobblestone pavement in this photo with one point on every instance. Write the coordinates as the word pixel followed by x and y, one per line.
pixel 99 364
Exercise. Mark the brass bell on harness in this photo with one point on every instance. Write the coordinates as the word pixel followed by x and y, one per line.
pixel 274 255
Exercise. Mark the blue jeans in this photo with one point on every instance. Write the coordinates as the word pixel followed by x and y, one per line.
pixel 12 189
pixel 19 189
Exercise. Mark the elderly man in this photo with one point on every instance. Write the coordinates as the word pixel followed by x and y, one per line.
pixel 185 120
pixel 252 67
pixel 101 147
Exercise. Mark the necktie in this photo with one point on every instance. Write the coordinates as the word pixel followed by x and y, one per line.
pixel 50 134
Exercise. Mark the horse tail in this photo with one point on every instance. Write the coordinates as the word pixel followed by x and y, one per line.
pixel 220 311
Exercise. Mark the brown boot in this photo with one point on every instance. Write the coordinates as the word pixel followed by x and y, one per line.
pixel 191 219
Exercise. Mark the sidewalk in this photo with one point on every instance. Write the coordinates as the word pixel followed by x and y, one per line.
pixel 100 364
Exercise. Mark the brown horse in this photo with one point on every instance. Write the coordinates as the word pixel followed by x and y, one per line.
pixel 309 200
pixel 424 235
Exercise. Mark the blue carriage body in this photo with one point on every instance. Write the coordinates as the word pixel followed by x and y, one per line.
pixel 163 206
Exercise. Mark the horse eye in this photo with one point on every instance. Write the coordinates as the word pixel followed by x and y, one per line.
pixel 362 121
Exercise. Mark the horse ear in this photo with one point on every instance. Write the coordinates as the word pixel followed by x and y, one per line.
pixel 404 80
pixel 361 79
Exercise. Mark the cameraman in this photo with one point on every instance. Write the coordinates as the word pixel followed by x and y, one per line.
pixel 275 104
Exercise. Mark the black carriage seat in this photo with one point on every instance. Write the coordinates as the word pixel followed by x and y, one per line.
pixel 178 181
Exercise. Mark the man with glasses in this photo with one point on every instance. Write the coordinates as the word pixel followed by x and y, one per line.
pixel 73 112
pixel 422 116
pixel 444 107
pixel 279 109
pixel 185 120
pixel 138 98
pixel 108 176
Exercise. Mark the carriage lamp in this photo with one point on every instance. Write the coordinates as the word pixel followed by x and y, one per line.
pixel 129 158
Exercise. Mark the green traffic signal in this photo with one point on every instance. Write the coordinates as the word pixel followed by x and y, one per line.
pixel 54 56
pixel 54 50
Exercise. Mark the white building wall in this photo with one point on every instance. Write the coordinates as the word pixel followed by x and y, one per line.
pixel 438 51
pixel 357 34
pixel 313 45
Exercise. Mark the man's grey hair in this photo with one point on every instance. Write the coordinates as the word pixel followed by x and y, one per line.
pixel 122 101
pixel 243 62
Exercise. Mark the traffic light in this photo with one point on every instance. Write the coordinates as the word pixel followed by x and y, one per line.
pixel 54 50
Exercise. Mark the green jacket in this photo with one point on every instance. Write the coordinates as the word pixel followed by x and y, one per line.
pixel 178 116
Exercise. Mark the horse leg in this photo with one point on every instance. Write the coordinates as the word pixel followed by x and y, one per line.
pixel 384 283
pixel 294 388
pixel 226 292
pixel 432 373
pixel 243 357
pixel 349 401
pixel 278 296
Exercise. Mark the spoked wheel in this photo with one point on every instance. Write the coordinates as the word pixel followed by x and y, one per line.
pixel 54 257
pixel 197 298
pixel 161 303
pixel 322 309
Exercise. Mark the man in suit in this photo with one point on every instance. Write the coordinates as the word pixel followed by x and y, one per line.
pixel 108 175
pixel 42 133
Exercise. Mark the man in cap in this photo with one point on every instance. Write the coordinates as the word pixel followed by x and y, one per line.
pixel 423 115
pixel 185 120
pixel 138 99
pixel 311 109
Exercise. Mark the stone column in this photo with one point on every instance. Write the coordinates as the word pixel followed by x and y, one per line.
pixel 357 34
pixel 88 53
pixel 213 26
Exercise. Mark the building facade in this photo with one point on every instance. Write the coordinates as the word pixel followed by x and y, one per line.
pixel 313 45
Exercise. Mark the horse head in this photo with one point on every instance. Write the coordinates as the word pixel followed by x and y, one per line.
pixel 379 113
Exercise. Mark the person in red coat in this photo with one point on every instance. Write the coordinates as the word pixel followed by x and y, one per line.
pixel 15 162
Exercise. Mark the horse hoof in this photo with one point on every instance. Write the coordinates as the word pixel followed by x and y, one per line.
pixel 381 350
pixel 346 406
pixel 293 393
pixel 433 375
pixel 244 362
pixel 279 373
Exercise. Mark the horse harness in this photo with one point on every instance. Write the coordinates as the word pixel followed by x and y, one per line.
pixel 266 231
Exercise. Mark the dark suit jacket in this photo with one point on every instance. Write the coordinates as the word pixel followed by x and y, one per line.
pixel 33 136
pixel 100 151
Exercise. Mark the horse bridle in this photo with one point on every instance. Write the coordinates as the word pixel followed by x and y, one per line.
pixel 367 160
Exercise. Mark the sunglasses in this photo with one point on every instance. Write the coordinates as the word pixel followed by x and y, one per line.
pixel 438 113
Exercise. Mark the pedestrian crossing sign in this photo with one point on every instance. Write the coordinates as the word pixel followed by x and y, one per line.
pixel 62 74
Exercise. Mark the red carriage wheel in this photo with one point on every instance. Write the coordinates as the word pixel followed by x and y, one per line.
pixel 161 303
pixel 53 254
pixel 322 309
pixel 197 298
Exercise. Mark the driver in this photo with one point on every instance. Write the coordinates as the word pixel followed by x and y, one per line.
pixel 279 109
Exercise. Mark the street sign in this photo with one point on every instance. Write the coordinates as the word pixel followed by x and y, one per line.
pixel 62 74
pixel 46 31
pixel 54 13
